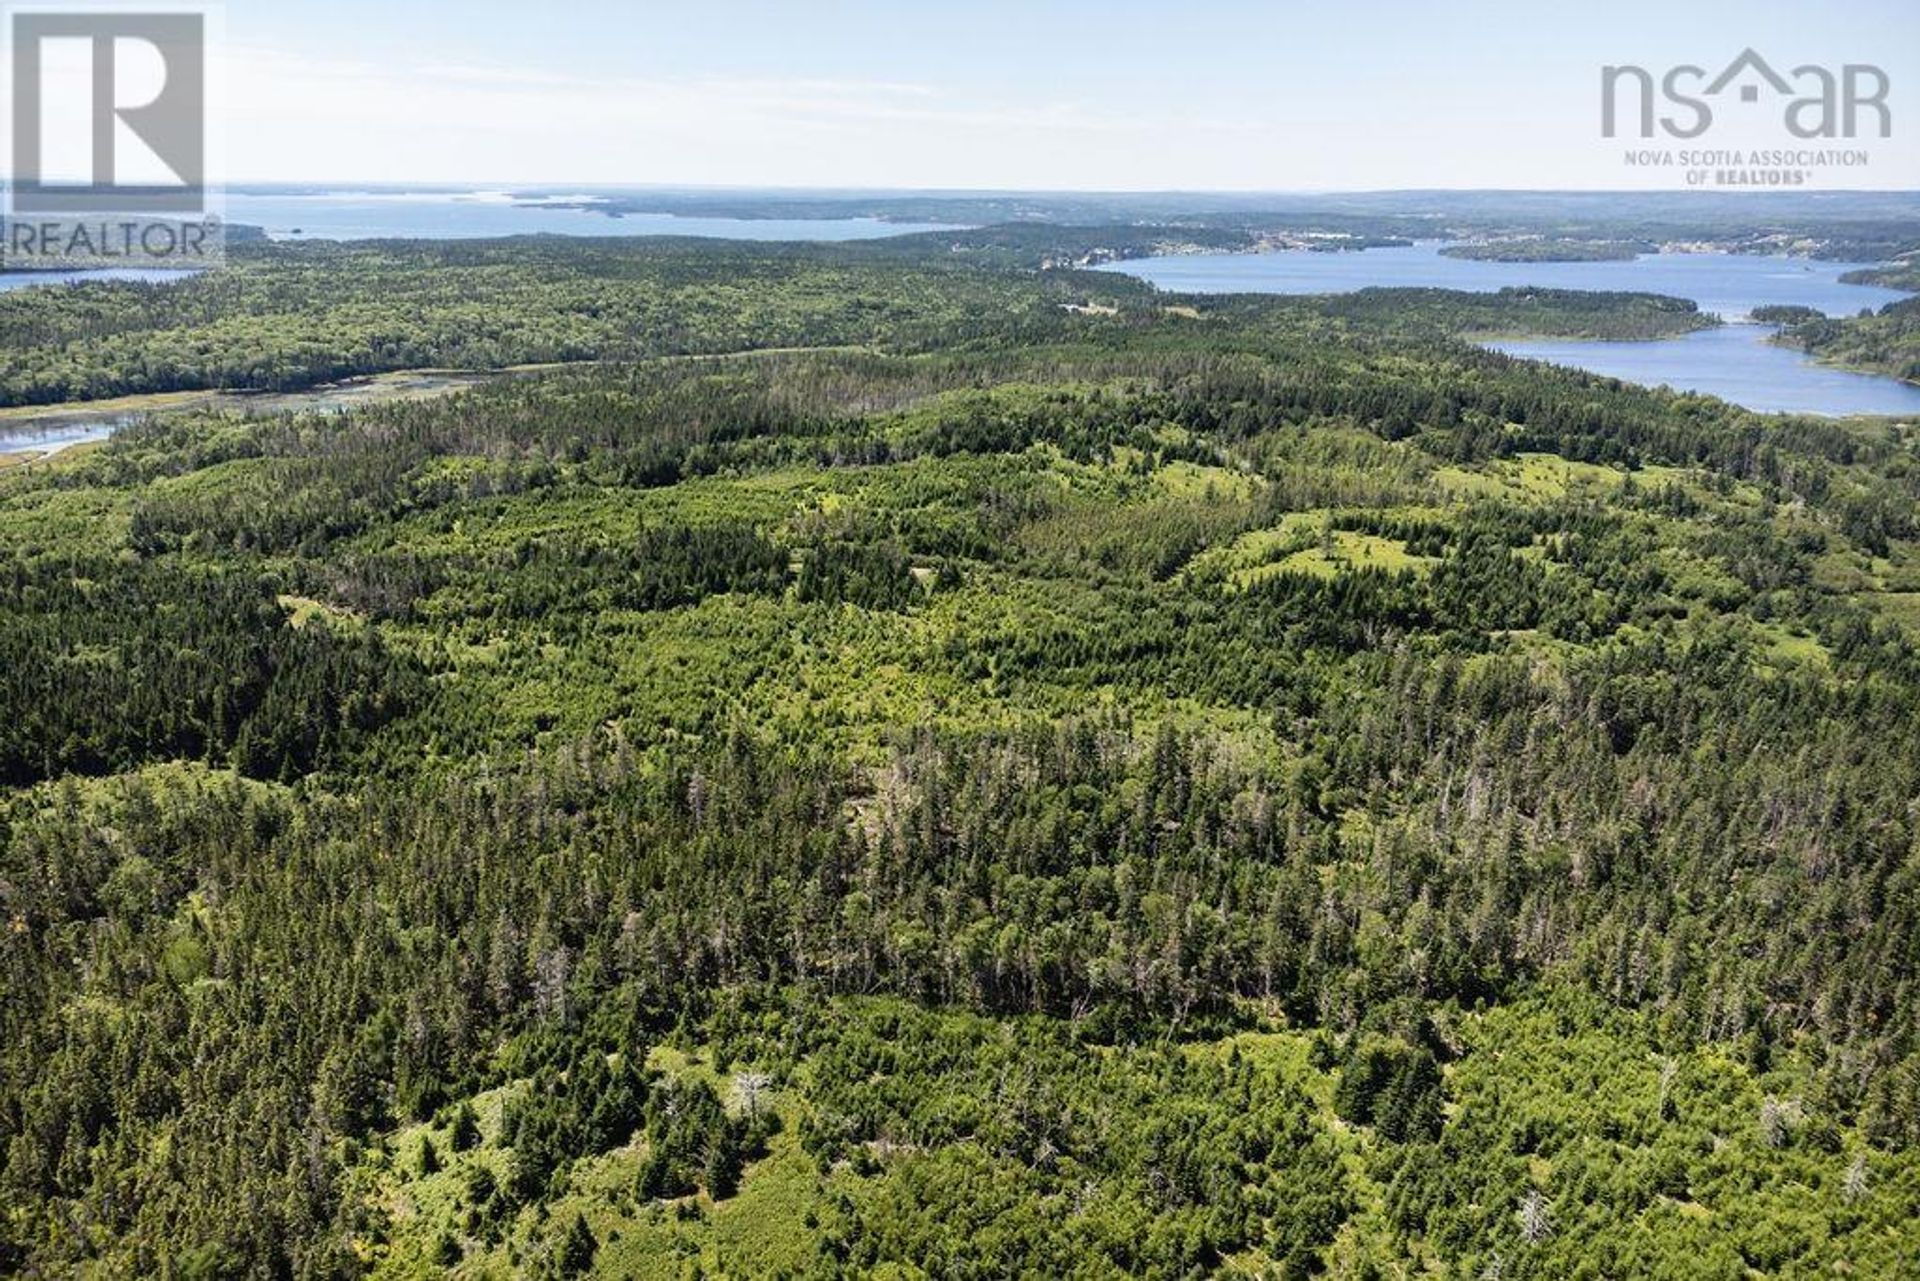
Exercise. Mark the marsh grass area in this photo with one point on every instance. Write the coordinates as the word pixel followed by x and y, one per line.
pixel 52 429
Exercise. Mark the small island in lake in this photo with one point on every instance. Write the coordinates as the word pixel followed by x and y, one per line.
pixel 1547 249
pixel 1779 314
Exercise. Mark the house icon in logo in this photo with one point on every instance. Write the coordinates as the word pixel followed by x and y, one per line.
pixel 1748 61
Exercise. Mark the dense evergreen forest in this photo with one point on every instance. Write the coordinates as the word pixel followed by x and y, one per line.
pixel 888 762
pixel 285 317
pixel 1548 249
pixel 1885 341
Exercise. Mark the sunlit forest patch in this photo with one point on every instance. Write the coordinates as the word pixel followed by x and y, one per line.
pixel 986 789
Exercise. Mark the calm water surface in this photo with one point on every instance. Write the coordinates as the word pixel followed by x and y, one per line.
pixel 45 441
pixel 1736 363
pixel 440 215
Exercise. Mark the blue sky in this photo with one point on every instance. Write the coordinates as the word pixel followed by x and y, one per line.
pixel 1206 95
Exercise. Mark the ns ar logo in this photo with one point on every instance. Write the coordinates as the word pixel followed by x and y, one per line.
pixel 1818 102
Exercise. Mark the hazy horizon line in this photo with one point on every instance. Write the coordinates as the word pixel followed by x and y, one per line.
pixel 548 186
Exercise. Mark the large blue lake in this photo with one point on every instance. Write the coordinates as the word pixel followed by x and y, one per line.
pixel 1736 363
pixel 449 215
